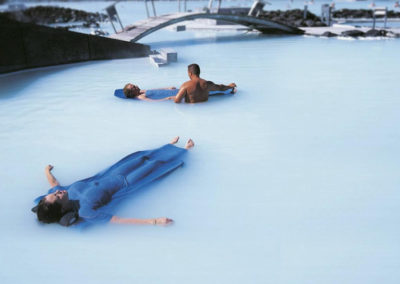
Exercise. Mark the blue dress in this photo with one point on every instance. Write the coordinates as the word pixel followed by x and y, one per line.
pixel 99 195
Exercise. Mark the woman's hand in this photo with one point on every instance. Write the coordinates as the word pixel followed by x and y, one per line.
pixel 52 180
pixel 162 221
pixel 48 168
pixel 134 221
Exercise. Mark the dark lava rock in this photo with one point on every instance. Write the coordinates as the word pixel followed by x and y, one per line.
pixel 299 23
pixel 329 34
pixel 309 23
pixel 319 24
pixel 293 18
pixel 392 34
pixel 374 33
pixel 353 33
pixel 352 13
pixel 360 13
pixel 51 15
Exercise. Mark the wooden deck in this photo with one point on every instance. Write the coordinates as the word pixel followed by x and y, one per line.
pixel 143 28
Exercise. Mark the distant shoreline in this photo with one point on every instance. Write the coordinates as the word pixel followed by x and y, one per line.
pixel 66 1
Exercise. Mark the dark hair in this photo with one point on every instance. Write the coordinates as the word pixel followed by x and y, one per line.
pixel 130 92
pixel 194 68
pixel 49 212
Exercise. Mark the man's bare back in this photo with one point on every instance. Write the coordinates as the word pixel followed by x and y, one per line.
pixel 197 89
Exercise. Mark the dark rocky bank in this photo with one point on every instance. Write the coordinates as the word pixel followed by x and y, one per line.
pixel 45 15
pixel 293 18
pixel 361 13
pixel 358 33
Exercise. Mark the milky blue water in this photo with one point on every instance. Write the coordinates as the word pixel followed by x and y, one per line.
pixel 292 180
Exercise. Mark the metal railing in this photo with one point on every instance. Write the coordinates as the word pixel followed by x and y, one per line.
pixel 147 8
pixel 111 12
pixel 379 11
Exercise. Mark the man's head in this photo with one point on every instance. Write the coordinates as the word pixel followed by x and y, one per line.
pixel 131 91
pixel 52 207
pixel 194 69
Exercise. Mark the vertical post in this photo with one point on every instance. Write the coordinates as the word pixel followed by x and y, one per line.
pixel 119 20
pixel 326 14
pixel 184 6
pixel 115 30
pixel 385 17
pixel 147 9
pixel 154 8
pixel 330 15
pixel 219 5
pixel 305 12
pixel 210 3
pixel 179 6
pixel 373 24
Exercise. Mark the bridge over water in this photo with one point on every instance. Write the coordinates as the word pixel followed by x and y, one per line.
pixel 145 27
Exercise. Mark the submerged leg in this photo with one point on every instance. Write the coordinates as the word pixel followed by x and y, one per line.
pixel 128 166
pixel 151 171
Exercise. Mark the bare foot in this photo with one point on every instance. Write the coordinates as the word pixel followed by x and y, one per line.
pixel 175 140
pixel 189 144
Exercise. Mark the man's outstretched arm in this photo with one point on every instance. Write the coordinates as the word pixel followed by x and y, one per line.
pixel 215 87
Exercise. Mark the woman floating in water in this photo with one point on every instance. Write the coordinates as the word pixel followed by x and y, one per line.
pixel 132 91
pixel 93 200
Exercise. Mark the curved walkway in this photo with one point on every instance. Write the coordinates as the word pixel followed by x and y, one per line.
pixel 143 28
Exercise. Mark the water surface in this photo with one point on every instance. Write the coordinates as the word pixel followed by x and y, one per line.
pixel 292 180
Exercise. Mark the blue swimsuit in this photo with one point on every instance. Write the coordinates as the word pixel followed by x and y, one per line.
pixel 99 195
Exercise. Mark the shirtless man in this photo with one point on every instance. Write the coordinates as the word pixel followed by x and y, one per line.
pixel 196 90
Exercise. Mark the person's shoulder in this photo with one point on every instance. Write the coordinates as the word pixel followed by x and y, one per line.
pixel 206 83
pixel 186 84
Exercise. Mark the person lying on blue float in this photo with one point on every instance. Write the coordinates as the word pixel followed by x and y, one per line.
pixel 94 200
pixel 193 91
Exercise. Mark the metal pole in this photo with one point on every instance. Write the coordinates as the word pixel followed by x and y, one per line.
pixel 119 20
pixel 179 5
pixel 154 8
pixel 329 16
pixel 210 3
pixel 305 12
pixel 219 4
pixel 184 7
pixel 373 25
pixel 147 9
pixel 385 18
pixel 115 30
